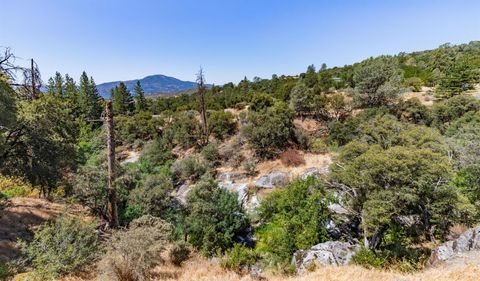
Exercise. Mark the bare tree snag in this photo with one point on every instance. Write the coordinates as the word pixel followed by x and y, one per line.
pixel 201 99
pixel 112 192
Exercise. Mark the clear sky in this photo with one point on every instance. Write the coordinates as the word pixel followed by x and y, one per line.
pixel 120 40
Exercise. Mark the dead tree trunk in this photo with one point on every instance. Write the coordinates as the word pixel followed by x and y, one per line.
pixel 202 107
pixel 112 192
pixel 34 90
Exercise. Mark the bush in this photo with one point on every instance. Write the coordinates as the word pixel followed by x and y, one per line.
pixel 157 152
pixel 186 129
pixel 191 167
pixel 270 131
pixel 239 259
pixel 133 253
pixel 292 157
pixel 414 83
pixel 303 139
pixel 5 271
pixel 179 253
pixel 449 110
pixel 215 218
pixel 16 187
pixel 369 259
pixel 221 124
pixel 261 101
pixel 153 195
pixel 293 218
pixel 62 247
pixel 250 168
pixel 211 154
pixel 318 146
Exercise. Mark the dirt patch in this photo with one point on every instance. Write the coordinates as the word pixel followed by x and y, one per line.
pixel 22 215
pixel 425 96
pixel 320 161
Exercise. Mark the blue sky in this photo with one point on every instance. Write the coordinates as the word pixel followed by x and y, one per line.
pixel 119 40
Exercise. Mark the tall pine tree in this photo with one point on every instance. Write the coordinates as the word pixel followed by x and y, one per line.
pixel 122 101
pixel 139 97
pixel 89 101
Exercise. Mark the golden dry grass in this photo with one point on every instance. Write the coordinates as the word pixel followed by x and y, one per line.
pixel 199 269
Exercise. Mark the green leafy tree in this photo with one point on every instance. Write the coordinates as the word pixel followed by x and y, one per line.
pixel 384 184
pixel 377 82
pixel 43 148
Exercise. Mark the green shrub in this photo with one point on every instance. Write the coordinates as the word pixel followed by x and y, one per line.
pixel 157 152
pixel 133 253
pixel 221 124
pixel 211 154
pixel 5 271
pixel 303 139
pixel 318 146
pixel 369 259
pixel 250 168
pixel 186 129
pixel 152 195
pixel 293 218
pixel 414 83
pixel 269 132
pixel 261 101
pixel 215 217
pixel 191 167
pixel 179 253
pixel 239 259
pixel 62 247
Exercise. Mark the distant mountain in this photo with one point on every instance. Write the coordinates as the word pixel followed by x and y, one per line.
pixel 152 85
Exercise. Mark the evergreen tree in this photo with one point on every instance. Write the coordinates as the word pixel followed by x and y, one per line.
pixel 51 86
pixel 122 100
pixel 89 101
pixel 83 94
pixel 71 94
pixel 59 84
pixel 96 107
pixel 139 96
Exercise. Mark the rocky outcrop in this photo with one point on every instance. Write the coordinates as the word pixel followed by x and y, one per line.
pixel 448 251
pixel 272 179
pixel 311 172
pixel 329 253
pixel 181 193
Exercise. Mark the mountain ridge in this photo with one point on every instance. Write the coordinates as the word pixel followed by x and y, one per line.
pixel 151 84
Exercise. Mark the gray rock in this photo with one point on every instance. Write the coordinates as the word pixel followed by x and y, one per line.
pixel 181 193
pixel 230 176
pixel 272 179
pixel 329 253
pixel 240 188
pixel 311 172
pixel 468 241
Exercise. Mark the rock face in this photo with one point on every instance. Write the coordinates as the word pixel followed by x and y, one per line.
pixel 272 179
pixel 311 172
pixel 328 253
pixel 468 241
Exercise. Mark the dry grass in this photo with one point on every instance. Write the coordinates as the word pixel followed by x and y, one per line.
pixel 292 158
pixel 199 269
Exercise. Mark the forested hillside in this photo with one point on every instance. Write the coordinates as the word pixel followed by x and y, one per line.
pixel 379 159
